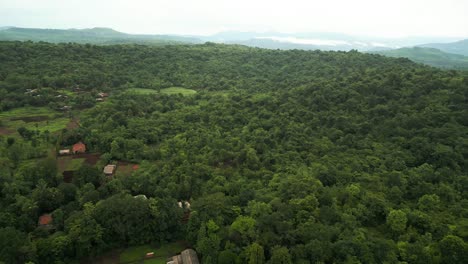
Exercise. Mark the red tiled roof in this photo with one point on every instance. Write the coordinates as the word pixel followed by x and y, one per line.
pixel 135 167
pixel 79 147
pixel 45 219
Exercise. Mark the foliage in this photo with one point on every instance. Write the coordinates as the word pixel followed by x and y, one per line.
pixel 281 156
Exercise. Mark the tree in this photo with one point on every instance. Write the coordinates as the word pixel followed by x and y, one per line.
pixel 255 254
pixel 85 233
pixel 227 257
pixel 280 255
pixel 13 246
pixel 396 220
pixel 208 241
pixel 453 250
pixel 245 227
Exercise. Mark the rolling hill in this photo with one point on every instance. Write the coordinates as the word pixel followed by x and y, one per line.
pixel 429 56
pixel 459 47
pixel 92 36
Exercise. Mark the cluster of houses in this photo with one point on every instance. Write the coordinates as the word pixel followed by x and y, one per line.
pixel 101 97
pixel 77 148
pixel 31 91
pixel 80 147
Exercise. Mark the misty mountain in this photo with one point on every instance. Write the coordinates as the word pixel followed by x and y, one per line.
pixel 317 40
pixel 93 36
pixel 429 56
pixel 458 47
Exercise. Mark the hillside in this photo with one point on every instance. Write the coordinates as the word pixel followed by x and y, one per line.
pixel 92 36
pixel 246 155
pixel 458 47
pixel 429 56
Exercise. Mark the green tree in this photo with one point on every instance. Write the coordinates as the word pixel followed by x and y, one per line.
pixel 255 254
pixel 397 220
pixel 453 250
pixel 280 255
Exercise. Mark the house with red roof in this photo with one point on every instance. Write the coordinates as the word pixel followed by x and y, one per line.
pixel 45 220
pixel 79 147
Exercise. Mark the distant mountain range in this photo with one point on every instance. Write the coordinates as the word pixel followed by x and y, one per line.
pixel 458 47
pixel 92 36
pixel 429 56
pixel 443 52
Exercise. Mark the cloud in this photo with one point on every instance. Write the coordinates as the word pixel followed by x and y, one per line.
pixel 387 18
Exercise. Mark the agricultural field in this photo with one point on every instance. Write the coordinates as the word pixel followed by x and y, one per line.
pixel 177 90
pixel 170 90
pixel 125 169
pixel 137 254
pixel 142 91
pixel 68 163
pixel 32 118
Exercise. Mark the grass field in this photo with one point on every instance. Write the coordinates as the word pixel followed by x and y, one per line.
pixel 67 163
pixel 27 112
pixel 177 90
pixel 170 90
pixel 124 169
pixel 32 118
pixel 142 91
pixel 53 125
pixel 137 253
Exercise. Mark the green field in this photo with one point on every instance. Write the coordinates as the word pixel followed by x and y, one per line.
pixel 33 118
pixel 137 253
pixel 177 90
pixel 170 90
pixel 67 163
pixel 27 112
pixel 142 91
pixel 53 125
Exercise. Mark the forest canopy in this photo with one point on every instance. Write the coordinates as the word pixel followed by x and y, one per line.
pixel 284 156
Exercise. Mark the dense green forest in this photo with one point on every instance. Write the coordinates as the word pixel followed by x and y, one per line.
pixel 284 156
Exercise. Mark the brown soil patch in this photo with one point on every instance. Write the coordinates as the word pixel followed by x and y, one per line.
pixel 5 131
pixel 29 119
pixel 62 162
pixel 90 158
pixel 125 168
pixel 73 124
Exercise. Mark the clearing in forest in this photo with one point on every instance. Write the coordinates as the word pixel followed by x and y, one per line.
pixel 170 90
pixel 68 163
pixel 137 254
pixel 33 118
pixel 178 90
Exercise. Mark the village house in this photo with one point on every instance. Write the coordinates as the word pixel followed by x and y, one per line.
pixel 184 204
pixel 102 95
pixel 65 108
pixel 79 147
pixel 31 91
pixel 45 220
pixel 141 196
pixel 99 100
pixel 109 169
pixel 64 152
pixel 188 256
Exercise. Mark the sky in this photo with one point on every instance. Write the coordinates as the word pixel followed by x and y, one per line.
pixel 377 18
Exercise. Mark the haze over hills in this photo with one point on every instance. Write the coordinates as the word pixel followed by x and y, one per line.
pixel 429 56
pixel 93 35
pixel 458 47
pixel 438 55
pixel 271 39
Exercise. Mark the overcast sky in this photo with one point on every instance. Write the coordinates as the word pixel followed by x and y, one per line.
pixel 383 18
